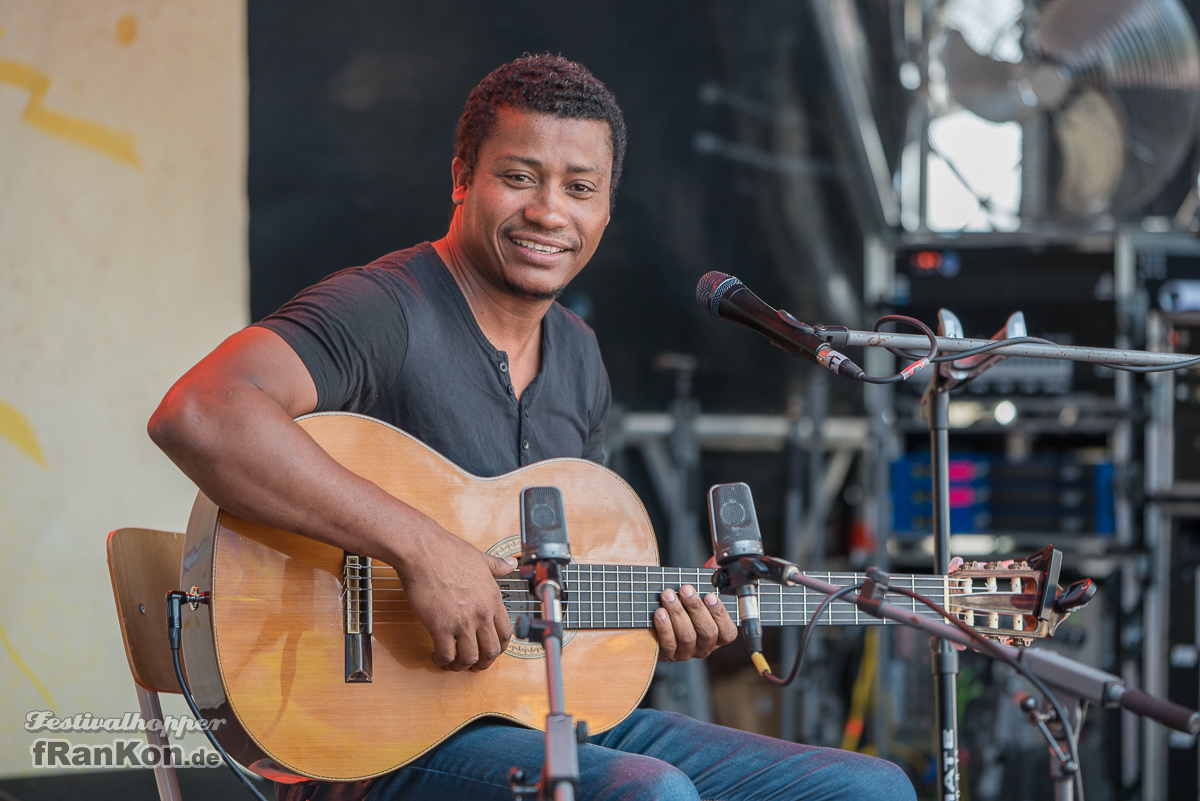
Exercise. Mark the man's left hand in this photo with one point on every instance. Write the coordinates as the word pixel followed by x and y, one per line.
pixel 691 626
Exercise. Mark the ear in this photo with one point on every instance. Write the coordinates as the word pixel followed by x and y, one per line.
pixel 461 176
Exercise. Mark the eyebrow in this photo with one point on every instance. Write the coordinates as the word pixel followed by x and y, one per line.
pixel 531 162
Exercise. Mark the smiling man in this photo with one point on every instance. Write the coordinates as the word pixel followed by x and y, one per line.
pixel 461 343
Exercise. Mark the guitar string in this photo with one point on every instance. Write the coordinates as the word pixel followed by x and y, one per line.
pixel 640 603
pixel 630 602
pixel 925 581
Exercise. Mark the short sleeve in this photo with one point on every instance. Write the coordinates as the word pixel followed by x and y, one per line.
pixel 351 333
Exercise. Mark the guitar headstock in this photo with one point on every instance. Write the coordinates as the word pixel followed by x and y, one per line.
pixel 1016 603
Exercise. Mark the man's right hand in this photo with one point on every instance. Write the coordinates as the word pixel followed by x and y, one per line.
pixel 451 586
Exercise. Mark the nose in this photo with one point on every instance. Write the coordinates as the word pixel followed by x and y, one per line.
pixel 546 209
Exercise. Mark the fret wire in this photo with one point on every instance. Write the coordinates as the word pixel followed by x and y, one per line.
pixel 630 596
pixel 591 596
pixel 603 599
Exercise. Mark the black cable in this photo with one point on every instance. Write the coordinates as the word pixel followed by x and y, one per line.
pixel 1153 368
pixel 1002 343
pixel 988 348
pixel 996 653
pixel 804 638
pixel 907 372
pixel 173 638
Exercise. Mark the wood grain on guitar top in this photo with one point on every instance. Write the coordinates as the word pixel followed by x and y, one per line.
pixel 277 615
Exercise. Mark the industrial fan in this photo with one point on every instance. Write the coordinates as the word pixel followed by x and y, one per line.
pixel 1067 112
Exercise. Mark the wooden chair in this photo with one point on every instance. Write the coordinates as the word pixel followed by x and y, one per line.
pixel 145 566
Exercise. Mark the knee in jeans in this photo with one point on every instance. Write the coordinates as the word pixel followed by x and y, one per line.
pixel 668 783
pixel 651 780
pixel 878 778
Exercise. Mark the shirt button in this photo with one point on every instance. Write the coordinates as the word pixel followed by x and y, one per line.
pixel 526 412
pixel 512 390
pixel 525 444
pixel 504 367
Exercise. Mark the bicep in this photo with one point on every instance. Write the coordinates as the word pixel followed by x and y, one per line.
pixel 259 358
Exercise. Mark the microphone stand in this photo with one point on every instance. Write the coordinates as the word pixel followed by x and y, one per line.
pixel 936 406
pixel 1073 682
pixel 560 770
pixel 726 297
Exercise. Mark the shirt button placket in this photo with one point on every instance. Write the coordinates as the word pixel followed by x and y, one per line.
pixel 523 425
pixel 507 379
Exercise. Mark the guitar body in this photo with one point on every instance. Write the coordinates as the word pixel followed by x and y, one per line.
pixel 267 652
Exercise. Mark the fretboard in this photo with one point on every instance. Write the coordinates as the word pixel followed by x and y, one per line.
pixel 625 597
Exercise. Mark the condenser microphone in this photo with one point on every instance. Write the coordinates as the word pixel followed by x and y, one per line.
pixel 543 526
pixel 735 535
pixel 726 297
pixel 545 546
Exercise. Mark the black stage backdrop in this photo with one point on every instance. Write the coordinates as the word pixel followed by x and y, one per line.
pixel 352 111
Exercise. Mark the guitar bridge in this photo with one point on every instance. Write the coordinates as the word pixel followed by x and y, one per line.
pixel 356 588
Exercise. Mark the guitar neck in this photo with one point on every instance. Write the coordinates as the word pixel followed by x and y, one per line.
pixel 626 597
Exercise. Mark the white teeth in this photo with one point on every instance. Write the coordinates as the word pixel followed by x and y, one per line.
pixel 534 246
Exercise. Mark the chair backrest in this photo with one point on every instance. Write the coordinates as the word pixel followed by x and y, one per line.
pixel 145 566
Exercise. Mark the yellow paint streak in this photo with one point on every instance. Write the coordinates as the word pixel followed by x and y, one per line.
pixel 24 668
pixel 127 29
pixel 15 428
pixel 92 135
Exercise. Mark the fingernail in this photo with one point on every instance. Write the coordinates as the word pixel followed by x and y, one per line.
pixel 687 591
pixel 661 614
pixel 711 599
pixel 512 562
pixel 668 596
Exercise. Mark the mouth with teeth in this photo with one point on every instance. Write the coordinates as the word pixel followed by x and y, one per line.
pixel 537 247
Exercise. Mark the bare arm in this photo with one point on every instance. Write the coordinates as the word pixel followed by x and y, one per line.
pixel 228 424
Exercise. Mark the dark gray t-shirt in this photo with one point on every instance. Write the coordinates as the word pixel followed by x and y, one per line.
pixel 396 340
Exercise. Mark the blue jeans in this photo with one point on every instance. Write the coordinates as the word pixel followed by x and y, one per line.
pixel 650 756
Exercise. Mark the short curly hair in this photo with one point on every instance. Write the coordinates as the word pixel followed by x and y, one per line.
pixel 546 84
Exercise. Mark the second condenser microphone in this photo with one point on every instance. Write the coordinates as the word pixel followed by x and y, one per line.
pixel 735 535
pixel 726 297
pixel 543 526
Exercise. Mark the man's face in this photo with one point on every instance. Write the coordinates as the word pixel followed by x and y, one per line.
pixel 536 204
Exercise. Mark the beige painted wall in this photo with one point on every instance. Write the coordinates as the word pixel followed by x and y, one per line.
pixel 122 262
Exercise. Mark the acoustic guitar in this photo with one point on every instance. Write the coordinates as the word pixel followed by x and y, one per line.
pixel 318 668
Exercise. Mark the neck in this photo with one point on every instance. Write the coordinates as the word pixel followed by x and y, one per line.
pixel 623 596
pixel 511 323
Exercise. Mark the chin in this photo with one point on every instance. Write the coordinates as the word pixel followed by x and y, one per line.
pixel 532 292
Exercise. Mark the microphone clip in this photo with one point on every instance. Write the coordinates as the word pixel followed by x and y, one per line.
pixel 836 336
pixel 747 570
pixel 734 575
pixel 542 573
pixel 873 591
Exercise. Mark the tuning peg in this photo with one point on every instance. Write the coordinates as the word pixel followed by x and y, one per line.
pixel 1075 595
pixel 1044 559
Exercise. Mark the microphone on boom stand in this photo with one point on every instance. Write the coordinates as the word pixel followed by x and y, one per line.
pixel 737 547
pixel 545 552
pixel 728 298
